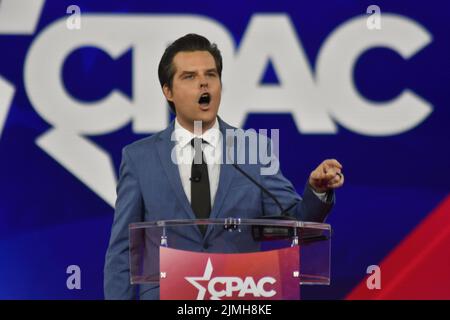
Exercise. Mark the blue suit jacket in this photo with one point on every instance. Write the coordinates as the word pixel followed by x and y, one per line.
pixel 150 188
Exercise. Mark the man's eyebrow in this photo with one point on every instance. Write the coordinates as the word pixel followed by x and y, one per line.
pixel 187 72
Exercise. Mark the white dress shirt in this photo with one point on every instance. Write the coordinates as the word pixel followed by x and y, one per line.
pixel 212 152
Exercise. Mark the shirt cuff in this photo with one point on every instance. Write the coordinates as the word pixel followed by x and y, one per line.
pixel 323 196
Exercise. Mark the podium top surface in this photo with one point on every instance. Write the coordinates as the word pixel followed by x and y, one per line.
pixel 232 221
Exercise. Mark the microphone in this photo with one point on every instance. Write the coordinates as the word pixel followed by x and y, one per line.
pixel 196 176
pixel 283 212
pixel 269 233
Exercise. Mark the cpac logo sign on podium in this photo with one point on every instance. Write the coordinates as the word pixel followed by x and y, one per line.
pixel 269 275
pixel 230 286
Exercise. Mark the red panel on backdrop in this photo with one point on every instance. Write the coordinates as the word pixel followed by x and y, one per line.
pixel 268 275
pixel 419 268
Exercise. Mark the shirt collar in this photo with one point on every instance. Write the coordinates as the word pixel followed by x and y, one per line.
pixel 184 136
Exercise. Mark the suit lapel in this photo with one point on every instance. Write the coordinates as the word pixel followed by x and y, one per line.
pixel 165 147
pixel 226 175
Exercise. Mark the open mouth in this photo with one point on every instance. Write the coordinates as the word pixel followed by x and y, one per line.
pixel 204 99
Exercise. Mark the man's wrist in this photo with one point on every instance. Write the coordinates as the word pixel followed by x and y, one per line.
pixel 322 195
pixel 315 189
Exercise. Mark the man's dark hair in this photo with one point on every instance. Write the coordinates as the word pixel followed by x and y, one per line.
pixel 188 43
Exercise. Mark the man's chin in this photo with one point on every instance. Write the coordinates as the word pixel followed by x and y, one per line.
pixel 207 119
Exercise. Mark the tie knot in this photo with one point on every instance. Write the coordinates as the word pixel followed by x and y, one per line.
pixel 197 142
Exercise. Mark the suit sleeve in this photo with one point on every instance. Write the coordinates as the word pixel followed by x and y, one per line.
pixel 129 208
pixel 305 208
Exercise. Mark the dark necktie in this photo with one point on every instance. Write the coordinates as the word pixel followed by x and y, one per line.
pixel 200 191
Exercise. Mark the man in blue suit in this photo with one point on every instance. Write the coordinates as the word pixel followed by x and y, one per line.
pixel 174 174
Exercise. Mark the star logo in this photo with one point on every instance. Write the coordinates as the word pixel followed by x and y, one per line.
pixel 206 277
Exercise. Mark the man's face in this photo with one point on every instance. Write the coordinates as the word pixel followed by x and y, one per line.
pixel 196 89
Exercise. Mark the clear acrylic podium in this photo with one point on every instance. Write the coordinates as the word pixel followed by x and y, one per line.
pixel 225 239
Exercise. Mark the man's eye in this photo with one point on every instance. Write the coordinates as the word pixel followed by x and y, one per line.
pixel 189 76
pixel 213 75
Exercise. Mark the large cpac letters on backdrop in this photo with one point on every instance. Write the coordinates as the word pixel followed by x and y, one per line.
pixel 317 101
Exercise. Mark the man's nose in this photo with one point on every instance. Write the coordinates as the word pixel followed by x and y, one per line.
pixel 203 82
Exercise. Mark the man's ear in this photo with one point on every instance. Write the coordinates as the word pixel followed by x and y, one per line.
pixel 167 92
